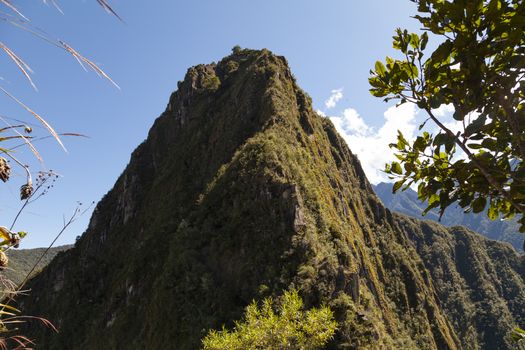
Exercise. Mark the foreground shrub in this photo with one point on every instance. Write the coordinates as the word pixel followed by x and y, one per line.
pixel 286 326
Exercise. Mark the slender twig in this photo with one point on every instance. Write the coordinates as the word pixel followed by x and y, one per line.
pixel 25 167
pixel 76 214
pixel 29 200
pixel 47 137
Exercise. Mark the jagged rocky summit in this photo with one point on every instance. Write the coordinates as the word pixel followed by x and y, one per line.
pixel 240 192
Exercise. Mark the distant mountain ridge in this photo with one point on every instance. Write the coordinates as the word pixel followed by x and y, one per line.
pixel 21 261
pixel 406 202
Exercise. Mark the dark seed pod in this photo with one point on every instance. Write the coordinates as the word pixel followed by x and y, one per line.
pixel 26 191
pixel 5 170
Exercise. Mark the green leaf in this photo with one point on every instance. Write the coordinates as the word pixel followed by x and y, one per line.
pixel 492 213
pixel 420 144
pixel 396 168
pixel 442 53
pixel 380 68
pixel 518 335
pixel 433 199
pixel 424 41
pixel 442 139
pixel 422 125
pixel 458 115
pixel 479 204
pixel 401 141
pixel 436 101
pixel 414 41
pixel 397 186
pixel 378 92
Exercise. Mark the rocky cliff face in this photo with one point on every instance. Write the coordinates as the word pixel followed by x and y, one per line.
pixel 240 192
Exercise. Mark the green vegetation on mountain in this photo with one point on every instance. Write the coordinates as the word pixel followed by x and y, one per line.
pixel 240 193
pixel 22 261
pixel 407 202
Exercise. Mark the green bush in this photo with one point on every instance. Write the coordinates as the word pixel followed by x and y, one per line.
pixel 288 326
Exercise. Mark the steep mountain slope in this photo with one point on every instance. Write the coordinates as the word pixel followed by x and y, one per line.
pixel 241 191
pixel 406 202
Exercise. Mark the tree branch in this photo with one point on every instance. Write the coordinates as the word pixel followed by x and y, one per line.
pixel 478 165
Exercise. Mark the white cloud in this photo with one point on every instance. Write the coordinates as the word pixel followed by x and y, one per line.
pixel 371 145
pixel 443 110
pixel 454 126
pixel 321 113
pixel 351 121
pixel 336 95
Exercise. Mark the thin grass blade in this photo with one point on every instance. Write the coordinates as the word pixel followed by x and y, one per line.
pixel 55 4
pixel 91 65
pixel 105 5
pixel 13 8
pixel 24 67
pixel 42 120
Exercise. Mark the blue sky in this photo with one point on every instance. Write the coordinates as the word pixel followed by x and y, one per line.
pixel 330 45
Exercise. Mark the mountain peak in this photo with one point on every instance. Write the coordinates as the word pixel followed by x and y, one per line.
pixel 240 192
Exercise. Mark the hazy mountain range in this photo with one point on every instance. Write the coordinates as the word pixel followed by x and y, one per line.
pixel 406 202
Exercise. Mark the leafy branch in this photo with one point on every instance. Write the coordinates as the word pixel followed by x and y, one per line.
pixel 478 69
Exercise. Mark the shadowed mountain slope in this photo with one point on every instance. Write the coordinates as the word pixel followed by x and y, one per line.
pixel 240 192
